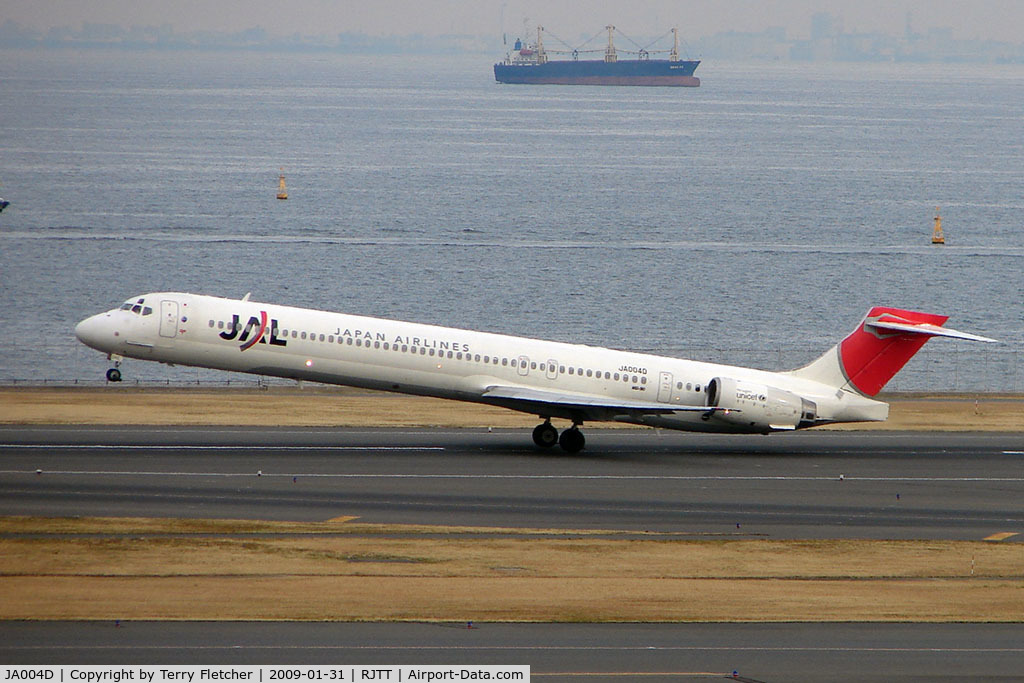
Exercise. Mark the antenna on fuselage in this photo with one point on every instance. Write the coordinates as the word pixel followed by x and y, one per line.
pixel 246 297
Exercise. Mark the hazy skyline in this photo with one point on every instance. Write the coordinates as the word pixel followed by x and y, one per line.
pixel 999 20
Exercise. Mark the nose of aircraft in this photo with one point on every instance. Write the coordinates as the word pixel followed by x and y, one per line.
pixel 95 332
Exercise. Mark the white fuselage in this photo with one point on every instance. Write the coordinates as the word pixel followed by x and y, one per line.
pixel 335 348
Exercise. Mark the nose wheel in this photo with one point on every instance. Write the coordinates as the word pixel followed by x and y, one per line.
pixel 114 373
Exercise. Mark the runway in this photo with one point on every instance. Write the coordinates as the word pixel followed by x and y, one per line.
pixel 805 485
pixel 555 652
pixel 904 485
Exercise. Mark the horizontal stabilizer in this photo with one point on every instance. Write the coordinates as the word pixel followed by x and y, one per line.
pixel 926 329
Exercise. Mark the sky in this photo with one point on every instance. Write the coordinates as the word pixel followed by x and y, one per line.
pixel 984 19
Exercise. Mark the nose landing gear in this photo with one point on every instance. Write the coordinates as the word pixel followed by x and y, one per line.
pixel 114 373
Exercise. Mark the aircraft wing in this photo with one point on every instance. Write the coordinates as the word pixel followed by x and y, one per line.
pixel 532 400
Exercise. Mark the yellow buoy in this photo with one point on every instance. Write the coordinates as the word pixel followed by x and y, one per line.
pixel 282 191
pixel 937 236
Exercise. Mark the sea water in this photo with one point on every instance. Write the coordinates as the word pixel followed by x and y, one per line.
pixel 752 220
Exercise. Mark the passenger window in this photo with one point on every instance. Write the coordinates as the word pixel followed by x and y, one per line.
pixel 220 324
pixel 476 358
pixel 405 348
pixel 321 337
pixel 572 371
pixel 330 338
pixel 698 388
pixel 533 365
pixel 643 380
pixel 294 334
pixel 607 375
pixel 616 377
pixel 303 335
pixel 590 373
pixel 423 351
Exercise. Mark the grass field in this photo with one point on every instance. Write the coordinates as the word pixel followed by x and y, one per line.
pixel 158 569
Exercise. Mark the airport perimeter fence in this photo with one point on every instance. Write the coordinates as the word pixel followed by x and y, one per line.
pixel 945 369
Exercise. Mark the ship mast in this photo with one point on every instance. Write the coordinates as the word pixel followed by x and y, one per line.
pixel 674 55
pixel 609 53
pixel 542 57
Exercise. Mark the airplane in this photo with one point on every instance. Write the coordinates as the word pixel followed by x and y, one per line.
pixel 549 379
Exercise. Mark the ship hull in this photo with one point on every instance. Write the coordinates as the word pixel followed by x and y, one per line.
pixel 648 72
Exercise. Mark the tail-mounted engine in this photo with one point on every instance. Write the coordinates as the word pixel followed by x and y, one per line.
pixel 757 407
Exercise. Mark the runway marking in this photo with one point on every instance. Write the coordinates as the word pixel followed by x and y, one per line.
pixel 631 674
pixel 529 477
pixel 538 648
pixel 1002 536
pixel 1013 452
pixel 168 447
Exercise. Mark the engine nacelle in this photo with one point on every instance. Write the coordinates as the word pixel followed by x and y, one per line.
pixel 758 407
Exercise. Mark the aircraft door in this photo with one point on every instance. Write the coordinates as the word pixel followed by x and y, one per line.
pixel 552 369
pixel 524 366
pixel 665 387
pixel 168 318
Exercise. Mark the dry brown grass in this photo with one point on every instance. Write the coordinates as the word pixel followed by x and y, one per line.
pixel 328 406
pixel 217 569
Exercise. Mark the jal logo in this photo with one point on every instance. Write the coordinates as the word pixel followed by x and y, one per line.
pixel 245 334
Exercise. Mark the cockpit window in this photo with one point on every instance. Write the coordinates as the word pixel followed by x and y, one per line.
pixel 136 307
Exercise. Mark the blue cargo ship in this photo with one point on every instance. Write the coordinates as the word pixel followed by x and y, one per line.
pixel 530 64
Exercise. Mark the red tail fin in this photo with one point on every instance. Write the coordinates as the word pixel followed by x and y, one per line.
pixel 882 344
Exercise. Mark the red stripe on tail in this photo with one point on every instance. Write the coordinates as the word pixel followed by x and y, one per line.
pixel 870 357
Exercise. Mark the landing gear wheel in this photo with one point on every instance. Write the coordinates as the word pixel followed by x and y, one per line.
pixel 572 440
pixel 113 375
pixel 545 435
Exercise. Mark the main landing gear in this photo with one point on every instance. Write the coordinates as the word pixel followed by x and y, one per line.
pixel 571 440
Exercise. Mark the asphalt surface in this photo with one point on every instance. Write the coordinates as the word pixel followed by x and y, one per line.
pixel 905 485
pixel 805 485
pixel 555 652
